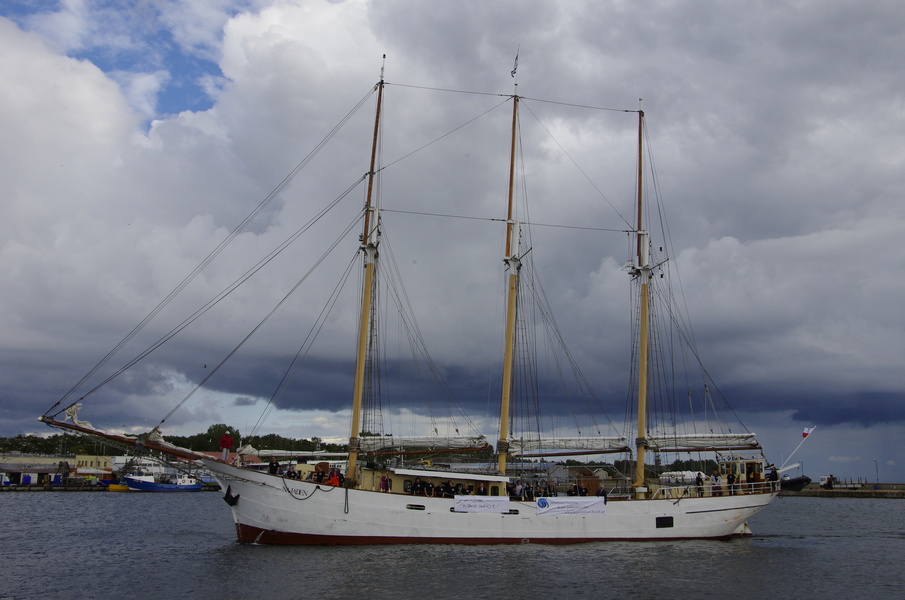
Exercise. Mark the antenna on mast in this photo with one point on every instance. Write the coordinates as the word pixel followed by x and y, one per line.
pixel 515 66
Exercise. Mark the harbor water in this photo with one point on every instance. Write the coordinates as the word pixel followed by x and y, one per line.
pixel 133 545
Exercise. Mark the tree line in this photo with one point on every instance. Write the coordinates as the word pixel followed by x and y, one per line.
pixel 209 441
pixel 71 443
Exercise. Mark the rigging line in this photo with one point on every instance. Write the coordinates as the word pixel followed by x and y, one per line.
pixel 500 220
pixel 312 334
pixel 528 370
pixel 282 301
pixel 507 95
pixel 399 292
pixel 680 329
pixel 667 236
pixel 449 90
pixel 584 386
pixel 434 141
pixel 309 339
pixel 223 294
pixel 587 106
pixel 214 253
pixel 577 166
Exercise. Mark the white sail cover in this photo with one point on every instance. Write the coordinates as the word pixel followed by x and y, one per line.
pixel 693 441
pixel 374 443
pixel 595 444
pixel 249 450
pixel 696 441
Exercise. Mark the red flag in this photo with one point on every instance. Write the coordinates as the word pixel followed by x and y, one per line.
pixel 807 431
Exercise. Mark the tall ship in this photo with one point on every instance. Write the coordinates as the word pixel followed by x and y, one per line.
pixel 518 483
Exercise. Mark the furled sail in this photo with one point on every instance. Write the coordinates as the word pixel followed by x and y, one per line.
pixel 388 442
pixel 570 444
pixel 704 441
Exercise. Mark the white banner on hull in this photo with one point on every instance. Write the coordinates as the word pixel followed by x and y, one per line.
pixel 491 504
pixel 571 506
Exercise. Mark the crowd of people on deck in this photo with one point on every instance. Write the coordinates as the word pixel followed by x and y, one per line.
pixel 528 491
pixel 733 484
pixel 516 490
pixel 445 489
pixel 333 477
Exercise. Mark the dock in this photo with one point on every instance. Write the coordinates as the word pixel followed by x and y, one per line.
pixel 53 488
pixel 207 487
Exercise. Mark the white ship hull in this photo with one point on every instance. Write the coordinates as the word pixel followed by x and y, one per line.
pixel 273 510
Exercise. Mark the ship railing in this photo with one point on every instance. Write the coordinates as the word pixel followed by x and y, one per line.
pixel 678 492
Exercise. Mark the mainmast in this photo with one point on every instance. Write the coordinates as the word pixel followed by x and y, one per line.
pixel 513 263
pixel 369 240
pixel 642 270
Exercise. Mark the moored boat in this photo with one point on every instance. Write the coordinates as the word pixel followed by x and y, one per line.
pixel 794 484
pixel 162 483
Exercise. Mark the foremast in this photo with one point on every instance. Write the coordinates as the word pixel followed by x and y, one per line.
pixel 642 270
pixel 369 241
pixel 513 265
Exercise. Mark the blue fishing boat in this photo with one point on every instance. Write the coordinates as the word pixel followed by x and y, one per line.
pixel 162 483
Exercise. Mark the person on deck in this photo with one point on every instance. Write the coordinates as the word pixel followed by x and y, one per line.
pixel 226 444
pixel 601 493
pixel 716 484
pixel 274 466
pixel 334 479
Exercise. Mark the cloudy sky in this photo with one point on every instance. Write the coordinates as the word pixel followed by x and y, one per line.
pixel 135 139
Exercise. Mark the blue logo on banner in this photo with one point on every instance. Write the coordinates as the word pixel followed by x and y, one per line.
pixel 542 503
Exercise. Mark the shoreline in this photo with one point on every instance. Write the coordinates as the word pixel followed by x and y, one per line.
pixel 892 491
pixel 81 488
pixel 883 490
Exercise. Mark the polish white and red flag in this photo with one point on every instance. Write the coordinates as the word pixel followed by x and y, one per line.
pixel 807 431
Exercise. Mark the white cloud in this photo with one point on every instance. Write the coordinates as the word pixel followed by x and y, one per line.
pixel 141 89
pixel 68 27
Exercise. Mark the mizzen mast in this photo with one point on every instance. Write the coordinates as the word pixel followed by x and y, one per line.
pixel 369 241
pixel 643 270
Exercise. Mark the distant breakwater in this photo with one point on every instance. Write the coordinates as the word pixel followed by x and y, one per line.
pixel 868 491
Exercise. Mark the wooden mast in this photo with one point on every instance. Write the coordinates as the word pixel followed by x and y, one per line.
pixel 369 241
pixel 643 270
pixel 514 264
